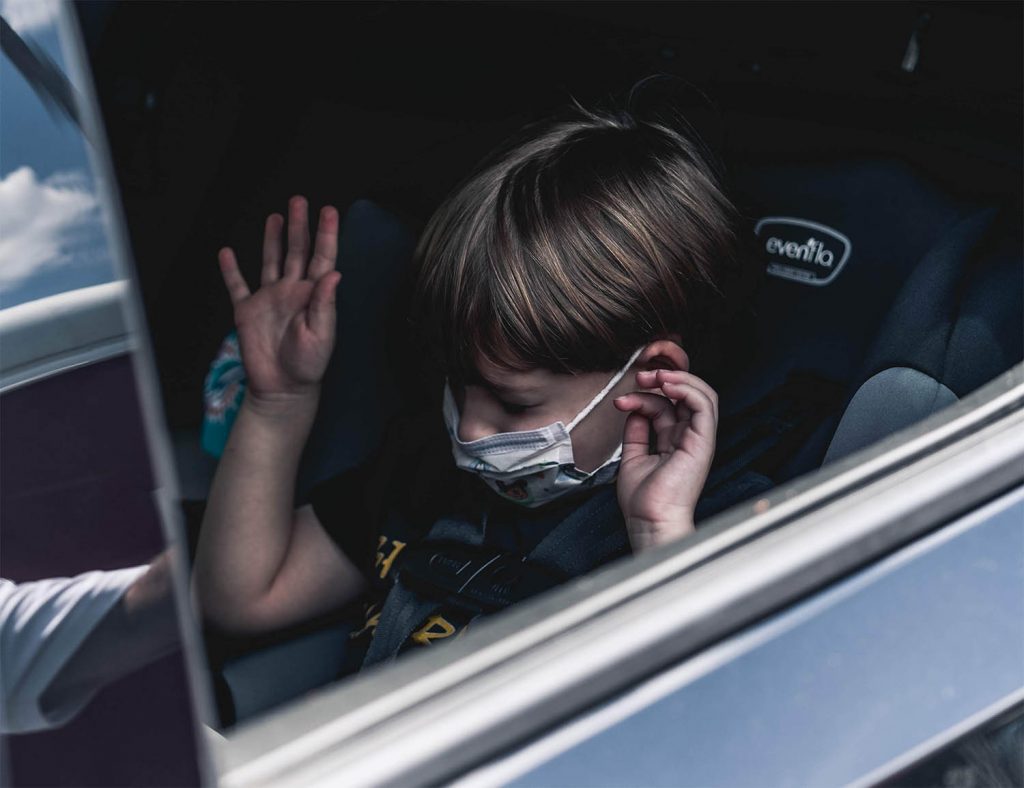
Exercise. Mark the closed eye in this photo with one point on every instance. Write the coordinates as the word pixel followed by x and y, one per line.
pixel 514 409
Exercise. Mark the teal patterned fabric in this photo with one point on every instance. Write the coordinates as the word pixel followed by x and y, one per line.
pixel 222 395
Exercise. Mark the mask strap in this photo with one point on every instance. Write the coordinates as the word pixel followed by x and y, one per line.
pixel 603 392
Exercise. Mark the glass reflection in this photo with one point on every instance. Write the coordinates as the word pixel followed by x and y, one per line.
pixel 51 233
pixel 92 669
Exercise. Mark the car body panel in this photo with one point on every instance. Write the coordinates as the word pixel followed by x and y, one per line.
pixel 893 658
pixel 567 651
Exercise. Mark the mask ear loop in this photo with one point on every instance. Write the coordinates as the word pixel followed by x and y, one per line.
pixel 604 392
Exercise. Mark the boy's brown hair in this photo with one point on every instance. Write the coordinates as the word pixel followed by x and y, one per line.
pixel 576 242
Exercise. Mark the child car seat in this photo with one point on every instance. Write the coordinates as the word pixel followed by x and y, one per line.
pixel 957 323
pixel 841 241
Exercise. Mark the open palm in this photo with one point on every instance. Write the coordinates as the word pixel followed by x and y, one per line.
pixel 286 328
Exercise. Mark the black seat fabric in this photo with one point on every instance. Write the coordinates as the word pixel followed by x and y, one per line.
pixel 360 386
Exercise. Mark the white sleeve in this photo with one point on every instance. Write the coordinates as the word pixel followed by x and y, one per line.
pixel 42 623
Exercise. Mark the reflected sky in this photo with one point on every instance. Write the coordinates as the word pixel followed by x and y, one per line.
pixel 51 227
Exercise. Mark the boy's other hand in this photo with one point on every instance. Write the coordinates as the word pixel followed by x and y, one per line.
pixel 286 328
pixel 659 484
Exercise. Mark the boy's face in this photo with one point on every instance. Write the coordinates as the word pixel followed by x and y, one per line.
pixel 511 401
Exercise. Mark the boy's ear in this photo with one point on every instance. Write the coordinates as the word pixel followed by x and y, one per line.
pixel 665 353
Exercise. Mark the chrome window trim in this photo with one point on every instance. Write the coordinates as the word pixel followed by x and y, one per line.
pixel 51 335
pixel 564 651
pixel 677 678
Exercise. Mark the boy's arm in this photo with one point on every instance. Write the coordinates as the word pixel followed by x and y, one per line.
pixel 260 564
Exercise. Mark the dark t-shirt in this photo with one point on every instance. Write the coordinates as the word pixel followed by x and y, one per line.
pixel 376 511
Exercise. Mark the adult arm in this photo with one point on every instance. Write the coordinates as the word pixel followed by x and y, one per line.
pixel 139 629
pixel 43 625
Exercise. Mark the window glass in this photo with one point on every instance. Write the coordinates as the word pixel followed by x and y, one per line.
pixel 93 684
pixel 197 150
pixel 51 227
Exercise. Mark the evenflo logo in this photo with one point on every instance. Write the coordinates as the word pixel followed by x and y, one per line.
pixel 801 250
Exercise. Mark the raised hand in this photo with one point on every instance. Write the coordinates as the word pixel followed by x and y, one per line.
pixel 658 486
pixel 286 328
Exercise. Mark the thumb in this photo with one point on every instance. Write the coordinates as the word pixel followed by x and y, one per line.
pixel 635 437
pixel 321 313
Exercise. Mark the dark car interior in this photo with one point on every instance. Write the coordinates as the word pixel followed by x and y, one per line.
pixel 895 127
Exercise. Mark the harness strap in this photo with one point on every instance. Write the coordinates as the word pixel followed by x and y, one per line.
pixel 592 535
pixel 402 613
pixel 404 610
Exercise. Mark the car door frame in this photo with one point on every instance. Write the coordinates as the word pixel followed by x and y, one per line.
pixel 72 330
pixel 555 656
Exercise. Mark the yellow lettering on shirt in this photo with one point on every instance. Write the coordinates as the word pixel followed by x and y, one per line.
pixel 384 562
pixel 436 628
pixel 370 623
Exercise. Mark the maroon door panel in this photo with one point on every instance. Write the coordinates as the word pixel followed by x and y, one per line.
pixel 77 483
pixel 77 495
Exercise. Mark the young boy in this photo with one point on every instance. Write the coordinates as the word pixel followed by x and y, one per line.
pixel 563 291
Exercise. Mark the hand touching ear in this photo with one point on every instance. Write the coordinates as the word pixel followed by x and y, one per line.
pixel 658 486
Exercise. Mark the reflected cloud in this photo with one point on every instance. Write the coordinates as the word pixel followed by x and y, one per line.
pixel 26 16
pixel 40 220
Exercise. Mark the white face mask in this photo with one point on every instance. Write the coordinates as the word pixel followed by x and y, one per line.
pixel 531 467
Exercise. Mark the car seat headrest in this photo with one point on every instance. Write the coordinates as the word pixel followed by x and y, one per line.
pixel 887 402
pixel 958 317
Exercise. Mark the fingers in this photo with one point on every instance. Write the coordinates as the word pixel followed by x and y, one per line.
pixel 298 238
pixel 657 412
pixel 635 437
pixel 325 252
pixel 656 378
pixel 703 419
pixel 322 313
pixel 272 249
pixel 685 406
pixel 237 288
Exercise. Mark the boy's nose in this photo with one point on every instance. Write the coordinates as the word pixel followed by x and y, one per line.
pixel 472 428
pixel 473 419
pixel 468 433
